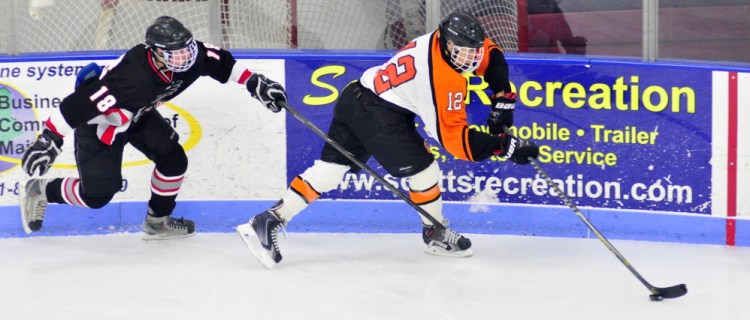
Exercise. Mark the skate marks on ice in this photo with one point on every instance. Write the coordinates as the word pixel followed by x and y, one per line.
pixel 363 276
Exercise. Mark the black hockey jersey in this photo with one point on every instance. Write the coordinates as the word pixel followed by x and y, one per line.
pixel 134 84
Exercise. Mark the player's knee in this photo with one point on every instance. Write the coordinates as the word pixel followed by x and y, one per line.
pixel 426 178
pixel 173 163
pixel 324 176
pixel 96 202
pixel 94 191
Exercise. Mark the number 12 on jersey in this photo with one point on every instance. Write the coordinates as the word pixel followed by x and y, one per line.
pixel 454 100
pixel 395 74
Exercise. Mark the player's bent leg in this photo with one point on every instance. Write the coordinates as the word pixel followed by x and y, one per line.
pixel 320 178
pixel 166 181
pixel 159 224
pixel 37 193
pixel 424 190
pixel 260 234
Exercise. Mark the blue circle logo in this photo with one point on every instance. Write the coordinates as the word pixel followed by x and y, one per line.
pixel 18 125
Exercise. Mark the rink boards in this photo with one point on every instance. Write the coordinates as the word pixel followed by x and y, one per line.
pixel 650 151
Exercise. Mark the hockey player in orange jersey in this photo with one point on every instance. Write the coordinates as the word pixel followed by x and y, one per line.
pixel 375 117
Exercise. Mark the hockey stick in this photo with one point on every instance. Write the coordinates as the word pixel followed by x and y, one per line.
pixel 361 165
pixel 657 294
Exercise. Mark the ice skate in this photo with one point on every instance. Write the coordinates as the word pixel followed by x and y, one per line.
pixel 445 242
pixel 165 228
pixel 33 203
pixel 260 235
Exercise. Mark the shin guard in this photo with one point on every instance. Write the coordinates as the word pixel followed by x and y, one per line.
pixel 164 190
pixel 424 190
pixel 307 187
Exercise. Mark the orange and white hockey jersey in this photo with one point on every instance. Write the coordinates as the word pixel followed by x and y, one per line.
pixel 418 79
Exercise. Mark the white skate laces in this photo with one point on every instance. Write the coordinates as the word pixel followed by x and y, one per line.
pixel 260 235
pixel 445 242
pixel 164 228
pixel 33 202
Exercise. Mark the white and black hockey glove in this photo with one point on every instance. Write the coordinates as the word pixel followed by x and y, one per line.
pixel 517 150
pixel 267 91
pixel 41 154
pixel 502 113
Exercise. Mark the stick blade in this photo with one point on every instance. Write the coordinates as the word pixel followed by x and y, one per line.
pixel 668 293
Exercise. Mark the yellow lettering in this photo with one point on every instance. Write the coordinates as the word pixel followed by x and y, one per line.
pixel 677 94
pixel 574 95
pixel 524 94
pixel 599 101
pixel 587 157
pixel 634 92
pixel 477 89
pixel 622 95
pixel 551 88
pixel 572 91
pixel 628 135
pixel 620 89
pixel 648 102
pixel 336 71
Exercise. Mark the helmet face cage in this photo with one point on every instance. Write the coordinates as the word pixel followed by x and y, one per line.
pixel 180 60
pixel 462 41
pixel 466 59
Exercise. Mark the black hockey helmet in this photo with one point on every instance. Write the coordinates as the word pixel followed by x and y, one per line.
pixel 167 33
pixel 178 46
pixel 465 32
pixel 462 29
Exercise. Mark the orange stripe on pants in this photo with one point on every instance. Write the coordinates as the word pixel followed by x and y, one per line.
pixel 424 197
pixel 302 188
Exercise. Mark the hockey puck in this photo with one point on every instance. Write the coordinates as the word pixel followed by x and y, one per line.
pixel 656 297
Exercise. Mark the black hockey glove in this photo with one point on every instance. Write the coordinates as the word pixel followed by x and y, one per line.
pixel 502 113
pixel 267 91
pixel 517 150
pixel 42 153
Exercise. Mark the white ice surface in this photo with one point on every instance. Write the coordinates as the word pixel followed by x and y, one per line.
pixel 364 276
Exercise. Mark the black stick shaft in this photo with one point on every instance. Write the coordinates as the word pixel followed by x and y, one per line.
pixel 586 221
pixel 363 166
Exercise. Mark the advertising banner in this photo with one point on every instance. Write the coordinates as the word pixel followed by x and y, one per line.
pixel 230 138
pixel 612 136
pixel 627 141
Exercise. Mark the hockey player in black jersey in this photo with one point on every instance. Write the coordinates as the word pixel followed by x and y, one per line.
pixel 116 106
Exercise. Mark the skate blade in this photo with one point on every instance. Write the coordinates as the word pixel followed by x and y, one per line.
pixel 251 240
pixel 21 197
pixel 438 251
pixel 149 237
